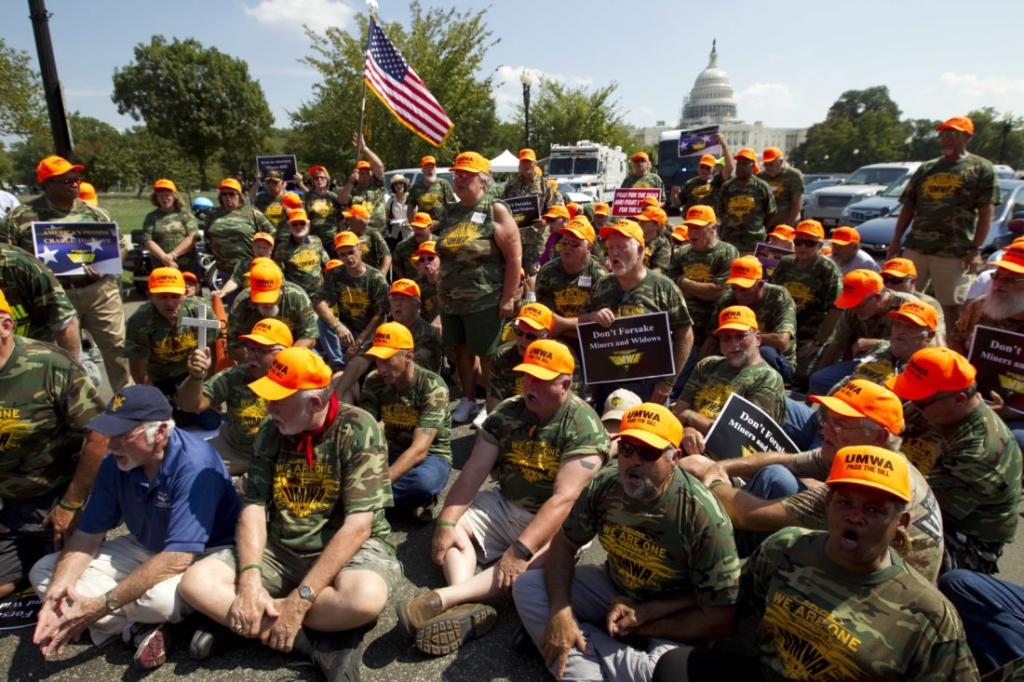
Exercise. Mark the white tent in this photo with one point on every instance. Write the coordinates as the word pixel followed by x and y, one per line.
pixel 506 162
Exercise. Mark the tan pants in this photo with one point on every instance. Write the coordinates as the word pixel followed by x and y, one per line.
pixel 101 313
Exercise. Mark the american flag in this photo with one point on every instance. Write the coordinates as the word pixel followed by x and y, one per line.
pixel 401 90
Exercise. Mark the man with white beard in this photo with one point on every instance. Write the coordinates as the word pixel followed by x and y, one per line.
pixel 1002 307
pixel 429 193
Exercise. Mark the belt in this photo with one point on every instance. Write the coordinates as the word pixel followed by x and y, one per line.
pixel 78 282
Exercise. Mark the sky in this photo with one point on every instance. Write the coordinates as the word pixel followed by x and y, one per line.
pixel 788 60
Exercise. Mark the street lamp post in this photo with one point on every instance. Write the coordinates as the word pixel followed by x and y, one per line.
pixel 1007 125
pixel 527 81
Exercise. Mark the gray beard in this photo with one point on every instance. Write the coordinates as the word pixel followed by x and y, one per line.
pixel 1002 308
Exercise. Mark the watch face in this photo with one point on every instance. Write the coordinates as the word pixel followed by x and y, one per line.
pixel 306 592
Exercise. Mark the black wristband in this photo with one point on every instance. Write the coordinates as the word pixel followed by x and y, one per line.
pixel 522 549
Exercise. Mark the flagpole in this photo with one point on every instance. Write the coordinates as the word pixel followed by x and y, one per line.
pixel 362 105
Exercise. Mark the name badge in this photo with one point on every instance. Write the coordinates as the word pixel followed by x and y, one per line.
pixel 585 281
pixel 478 218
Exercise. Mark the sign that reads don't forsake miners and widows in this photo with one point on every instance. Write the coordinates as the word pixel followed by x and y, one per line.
pixel 632 348
pixel 998 355
pixel 742 428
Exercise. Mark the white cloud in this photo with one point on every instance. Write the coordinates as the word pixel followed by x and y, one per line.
pixel 290 15
pixel 87 92
pixel 508 86
pixel 761 100
pixel 972 91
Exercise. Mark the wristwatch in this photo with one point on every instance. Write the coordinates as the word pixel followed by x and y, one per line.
pixel 522 549
pixel 306 592
pixel 113 603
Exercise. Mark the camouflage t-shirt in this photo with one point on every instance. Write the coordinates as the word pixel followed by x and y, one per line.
pixel 240 275
pixel 46 401
pixel 37 300
pixel 742 210
pixel 925 530
pixel 168 229
pixel 229 236
pixel 294 309
pixel 821 622
pixel 427 351
pixel 563 293
pixel 323 211
pixel 703 267
pixel 974 316
pixel 359 299
pixel 713 381
pixel 974 468
pixel 428 299
pixel 423 404
pixel 16 227
pixel 785 187
pixel 680 543
pixel 372 197
pixel 658 253
pixel 307 504
pixel 245 410
pixel 403 254
pixel 530 452
pixel 302 263
pixel 504 382
pixel 655 293
pixel 532 238
pixel 878 367
pixel 776 314
pixel 472 266
pixel 273 208
pixel 697 192
pixel 852 328
pixel 945 198
pixel 150 336
pixel 646 181
pixel 814 291
pixel 431 199
pixel 373 247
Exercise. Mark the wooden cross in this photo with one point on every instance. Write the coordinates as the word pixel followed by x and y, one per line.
pixel 201 324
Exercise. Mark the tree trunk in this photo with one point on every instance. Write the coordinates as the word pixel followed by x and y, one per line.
pixel 203 184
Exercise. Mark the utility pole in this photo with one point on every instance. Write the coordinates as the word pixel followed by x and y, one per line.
pixel 59 128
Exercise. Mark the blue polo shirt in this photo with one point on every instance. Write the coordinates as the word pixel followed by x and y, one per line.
pixel 191 504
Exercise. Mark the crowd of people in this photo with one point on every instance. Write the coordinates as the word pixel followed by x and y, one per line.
pixel 323 395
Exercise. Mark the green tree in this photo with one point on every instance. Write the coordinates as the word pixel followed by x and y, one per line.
pixel 22 111
pixel 7 167
pixel 200 98
pixel 446 49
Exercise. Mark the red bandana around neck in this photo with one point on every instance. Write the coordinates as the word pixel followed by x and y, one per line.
pixel 306 437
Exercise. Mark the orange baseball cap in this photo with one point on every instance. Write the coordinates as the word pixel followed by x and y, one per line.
pixel 654 213
pixel 770 154
pixel 640 156
pixel 471 162
pixel 294 369
pixel 190 277
pixel 264 236
pixel 738 318
pixel 708 160
pixel 546 359
pixel 269 332
pixel 5 307
pixel 291 200
pixel 1012 260
pixel 932 370
pixel 537 315
pixel 858 285
pixel 357 211
pixel 681 233
pixel 405 287
pixel 917 312
pixel 331 264
pixel 627 228
pixel 652 424
pixel 783 232
pixel 602 209
pixel 557 211
pixel 745 271
pixel 845 235
pixel 573 208
pixel 390 338
pixel 421 220
pixel 746 153
pixel 164 183
pixel 166 281
pixel 650 200
pixel 426 160
pixel 810 227
pixel 863 398
pixel 428 248
pixel 298 215
pixel 53 166
pixel 958 123
pixel 872 467
pixel 346 238
pixel 363 165
pixel 699 216
pixel 579 227
pixel 899 267
pixel 527 155
pixel 87 193
pixel 230 184
pixel 265 280
pixel 314 169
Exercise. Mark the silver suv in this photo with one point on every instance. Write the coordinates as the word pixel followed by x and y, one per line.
pixel 826 205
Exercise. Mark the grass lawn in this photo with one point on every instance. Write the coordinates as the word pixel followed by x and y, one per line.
pixel 127 211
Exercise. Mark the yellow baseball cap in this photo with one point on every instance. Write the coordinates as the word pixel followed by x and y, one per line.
pixel 627 228
pixel 736 317
pixel 166 281
pixel 537 315
pixel 873 467
pixel 405 287
pixel 579 227
pixel 270 332
pixel 390 338
pixel 546 359
pixel 652 424
pixel 265 280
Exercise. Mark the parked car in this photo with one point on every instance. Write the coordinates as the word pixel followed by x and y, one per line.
pixel 1007 224
pixel 414 174
pixel 574 195
pixel 875 207
pixel 1004 172
pixel 826 205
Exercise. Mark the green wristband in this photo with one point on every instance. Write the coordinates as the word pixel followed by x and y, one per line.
pixel 69 507
pixel 248 566
pixel 446 524
pixel 715 484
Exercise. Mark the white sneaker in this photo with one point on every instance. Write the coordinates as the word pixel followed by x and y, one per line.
pixel 464 410
pixel 480 417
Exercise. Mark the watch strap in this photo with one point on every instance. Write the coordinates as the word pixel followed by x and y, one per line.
pixel 522 549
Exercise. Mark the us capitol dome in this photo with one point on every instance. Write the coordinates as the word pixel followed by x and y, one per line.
pixel 711 100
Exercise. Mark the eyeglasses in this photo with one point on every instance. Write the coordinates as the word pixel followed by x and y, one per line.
pixel 123 438
pixel 571 244
pixel 260 351
pixel 950 133
pixel 925 403
pixel 888 279
pixel 736 337
pixel 1006 278
pixel 644 453
pixel 529 337
pixel 229 195
pixel 806 242
pixel 66 181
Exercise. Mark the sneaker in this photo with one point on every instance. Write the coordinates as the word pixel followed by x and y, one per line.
pixel 453 628
pixel 464 411
pixel 414 613
pixel 336 654
pixel 95 355
pixel 480 417
pixel 425 512
pixel 151 642
pixel 92 371
pixel 210 638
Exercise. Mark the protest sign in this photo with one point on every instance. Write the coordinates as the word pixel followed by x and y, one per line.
pixel 20 610
pixel 769 255
pixel 632 348
pixel 998 355
pixel 284 164
pixel 627 201
pixel 742 429
pixel 699 141
pixel 66 248
pixel 524 209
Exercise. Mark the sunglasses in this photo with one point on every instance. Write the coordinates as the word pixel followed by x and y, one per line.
pixel 893 280
pixel 66 181
pixel 806 242
pixel 428 259
pixel 950 133
pixel 529 337
pixel 925 403
pixel 644 453
pixel 1006 278
pixel 230 195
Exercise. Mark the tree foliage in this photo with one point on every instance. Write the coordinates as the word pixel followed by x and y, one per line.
pixel 199 98
pixel 22 109
pixel 444 47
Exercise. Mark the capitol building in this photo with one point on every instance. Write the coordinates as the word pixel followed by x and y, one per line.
pixel 712 101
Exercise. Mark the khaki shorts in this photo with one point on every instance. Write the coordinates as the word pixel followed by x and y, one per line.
pixel 479 332
pixel 283 571
pixel 235 460
pixel 947 275
pixel 495 524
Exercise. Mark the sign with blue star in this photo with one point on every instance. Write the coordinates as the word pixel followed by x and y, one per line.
pixel 67 248
pixel 699 141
